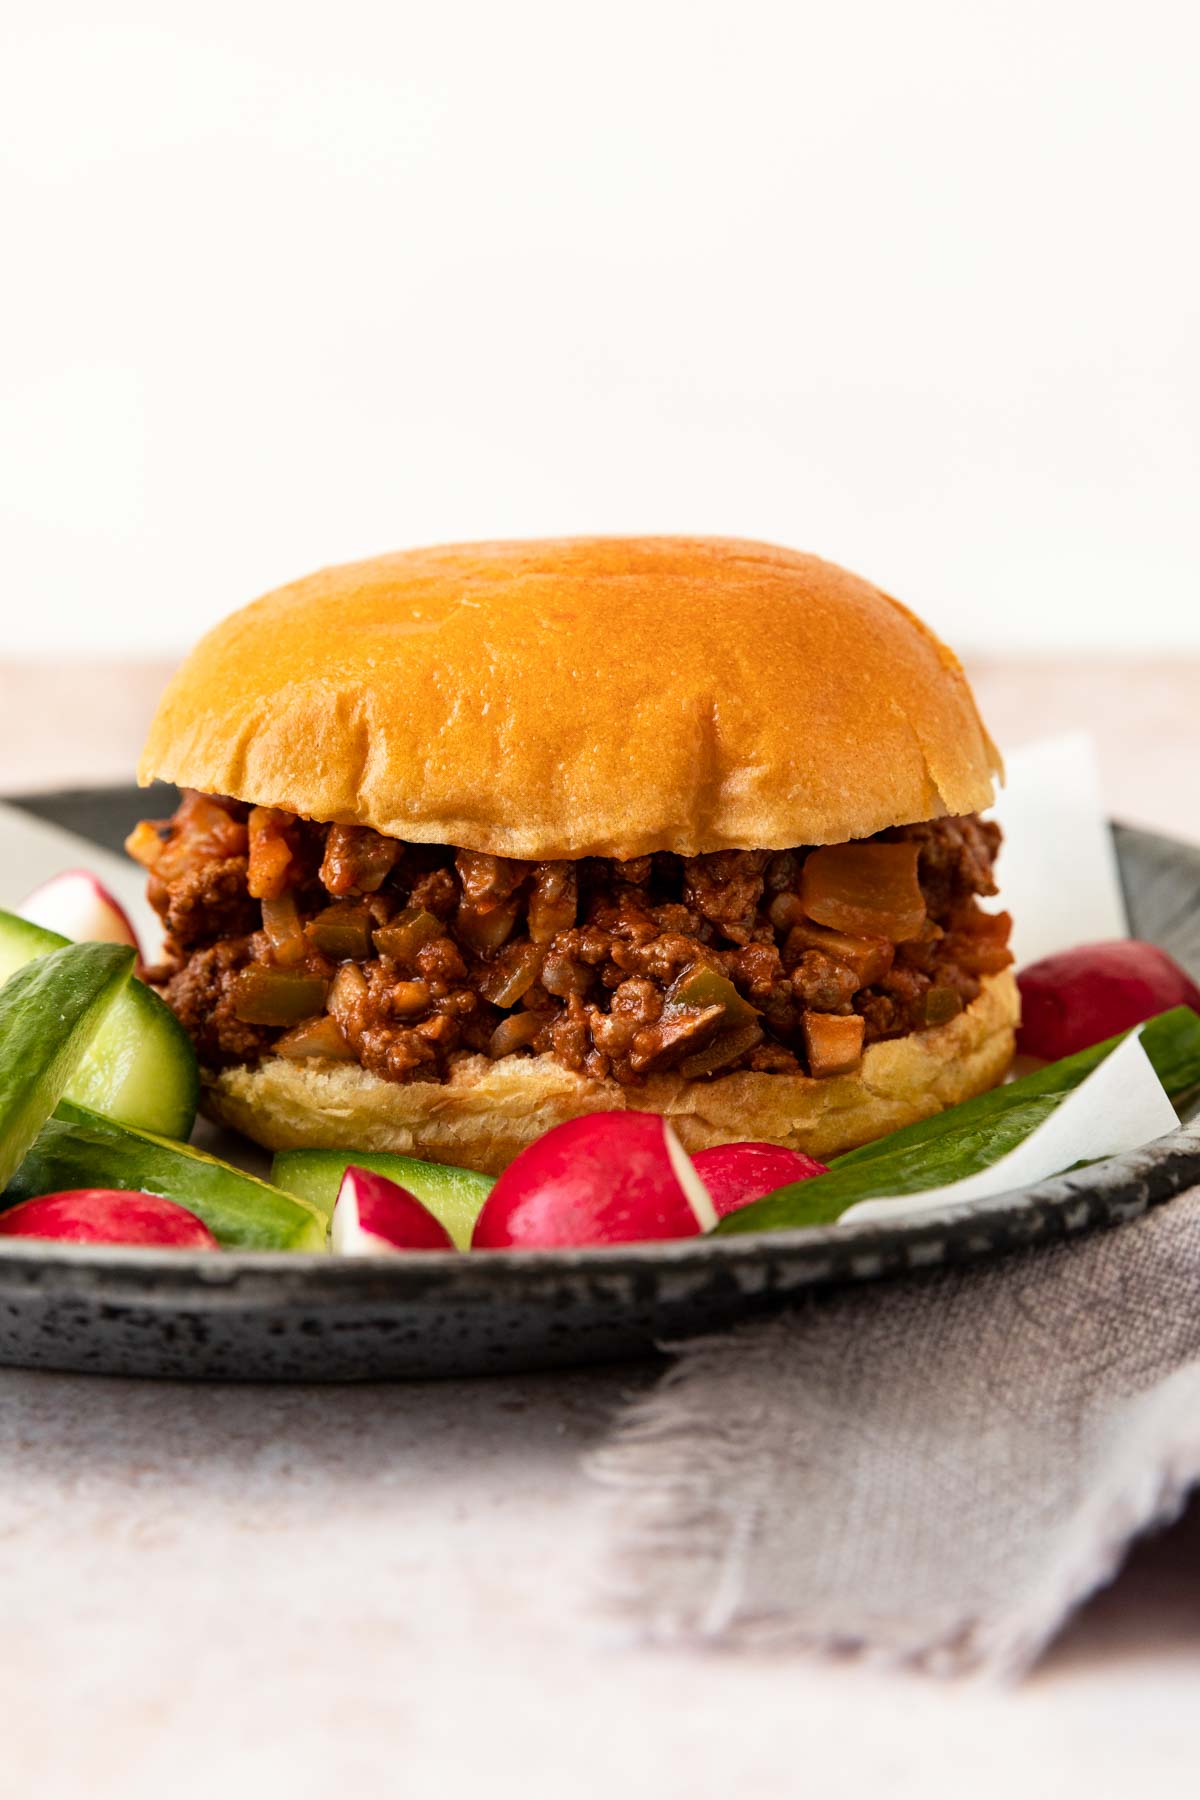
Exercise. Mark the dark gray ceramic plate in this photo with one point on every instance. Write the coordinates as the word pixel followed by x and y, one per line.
pixel 292 1318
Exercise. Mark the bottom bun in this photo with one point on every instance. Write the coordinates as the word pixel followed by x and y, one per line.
pixel 488 1111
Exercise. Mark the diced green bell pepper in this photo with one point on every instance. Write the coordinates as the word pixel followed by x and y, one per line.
pixel 78 1148
pixel 701 986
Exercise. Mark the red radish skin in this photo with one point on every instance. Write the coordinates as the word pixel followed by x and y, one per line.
pixel 1080 997
pixel 373 1216
pixel 606 1178
pixel 81 908
pixel 108 1216
pixel 736 1174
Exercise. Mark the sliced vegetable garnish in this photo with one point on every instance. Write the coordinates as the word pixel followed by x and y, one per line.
pixel 738 1174
pixel 603 1178
pixel 1079 996
pixel 966 1138
pixel 141 1068
pixel 1171 1041
pixel 50 1011
pixel 1121 1106
pixel 78 1148
pixel 375 1216
pixel 454 1196
pixel 108 1216
pixel 80 908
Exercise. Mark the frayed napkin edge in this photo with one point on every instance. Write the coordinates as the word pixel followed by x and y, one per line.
pixel 670 1464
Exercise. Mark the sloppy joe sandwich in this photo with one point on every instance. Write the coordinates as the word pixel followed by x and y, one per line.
pixel 476 839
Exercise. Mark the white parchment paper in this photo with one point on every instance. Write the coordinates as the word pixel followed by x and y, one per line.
pixel 1058 868
pixel 1121 1106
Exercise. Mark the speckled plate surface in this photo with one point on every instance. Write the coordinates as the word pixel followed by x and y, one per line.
pixel 293 1318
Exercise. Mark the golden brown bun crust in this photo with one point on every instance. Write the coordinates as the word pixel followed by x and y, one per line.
pixel 489 1111
pixel 585 696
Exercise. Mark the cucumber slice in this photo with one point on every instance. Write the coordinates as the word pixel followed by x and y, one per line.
pixel 454 1196
pixel 50 1012
pixel 78 1148
pixel 141 1068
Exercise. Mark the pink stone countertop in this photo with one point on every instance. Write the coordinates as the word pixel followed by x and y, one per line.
pixel 259 1592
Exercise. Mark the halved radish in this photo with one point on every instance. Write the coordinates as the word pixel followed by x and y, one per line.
pixel 81 908
pixel 108 1216
pixel 736 1174
pixel 373 1215
pixel 1082 996
pixel 607 1178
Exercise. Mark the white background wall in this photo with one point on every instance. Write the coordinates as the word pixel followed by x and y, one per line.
pixel 915 285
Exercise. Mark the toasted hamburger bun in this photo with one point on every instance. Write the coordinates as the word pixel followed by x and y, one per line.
pixel 488 1111
pixel 575 697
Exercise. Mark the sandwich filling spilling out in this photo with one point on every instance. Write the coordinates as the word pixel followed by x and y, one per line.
pixel 290 938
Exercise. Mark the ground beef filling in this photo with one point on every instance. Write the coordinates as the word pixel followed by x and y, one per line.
pixel 301 940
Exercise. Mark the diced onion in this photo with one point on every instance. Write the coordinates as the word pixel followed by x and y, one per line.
pixel 318 1037
pixel 507 980
pixel 486 929
pixel 347 992
pixel 833 1042
pixel 515 1033
pixel 281 922
pixel 410 998
pixel 553 901
pixel 865 890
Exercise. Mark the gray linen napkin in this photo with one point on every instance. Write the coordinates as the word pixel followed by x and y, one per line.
pixel 933 1472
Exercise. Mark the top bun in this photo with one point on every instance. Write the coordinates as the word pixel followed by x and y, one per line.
pixel 581 697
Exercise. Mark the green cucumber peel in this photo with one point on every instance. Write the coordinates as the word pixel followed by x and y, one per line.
pixel 454 1196
pixel 966 1138
pixel 78 1148
pixel 141 1068
pixel 50 1012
